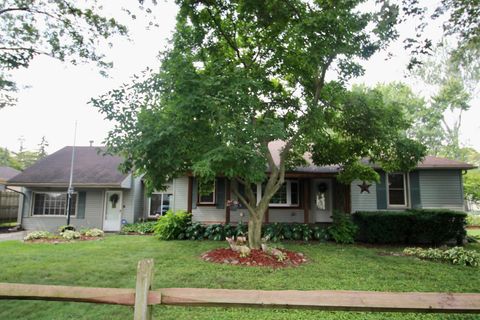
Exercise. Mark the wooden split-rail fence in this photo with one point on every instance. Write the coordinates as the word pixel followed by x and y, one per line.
pixel 143 298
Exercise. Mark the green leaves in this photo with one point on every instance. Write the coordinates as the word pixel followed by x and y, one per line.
pixel 241 74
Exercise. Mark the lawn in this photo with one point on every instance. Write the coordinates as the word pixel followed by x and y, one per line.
pixel 112 263
pixel 474 232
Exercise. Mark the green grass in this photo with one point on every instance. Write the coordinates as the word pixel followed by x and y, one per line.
pixel 112 263
pixel 473 232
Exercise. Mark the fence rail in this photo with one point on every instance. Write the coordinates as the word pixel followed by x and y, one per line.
pixel 8 206
pixel 143 298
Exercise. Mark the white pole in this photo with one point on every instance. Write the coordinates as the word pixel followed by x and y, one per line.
pixel 70 188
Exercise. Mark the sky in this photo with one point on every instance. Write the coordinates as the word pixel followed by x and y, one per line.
pixel 58 93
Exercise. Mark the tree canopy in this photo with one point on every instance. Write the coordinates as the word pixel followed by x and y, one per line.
pixel 62 29
pixel 241 74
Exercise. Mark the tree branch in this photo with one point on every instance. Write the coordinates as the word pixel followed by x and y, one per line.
pixel 320 81
pixel 227 38
pixel 13 9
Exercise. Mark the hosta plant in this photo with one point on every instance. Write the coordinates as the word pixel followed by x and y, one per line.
pixel 38 235
pixel 70 235
pixel 94 232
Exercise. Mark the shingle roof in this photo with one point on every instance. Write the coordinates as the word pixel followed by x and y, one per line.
pixel 429 162
pixel 7 173
pixel 91 168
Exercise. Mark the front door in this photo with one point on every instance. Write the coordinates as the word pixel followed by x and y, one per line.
pixel 322 200
pixel 113 211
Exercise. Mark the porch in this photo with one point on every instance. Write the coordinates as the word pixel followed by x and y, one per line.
pixel 304 198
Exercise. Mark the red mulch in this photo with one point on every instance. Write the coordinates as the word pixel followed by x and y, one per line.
pixel 256 258
pixel 60 240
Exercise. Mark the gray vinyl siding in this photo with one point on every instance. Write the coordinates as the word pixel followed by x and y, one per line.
pixel 363 201
pixel 180 193
pixel 127 212
pixel 208 214
pixel 286 215
pixel 441 189
pixel 93 214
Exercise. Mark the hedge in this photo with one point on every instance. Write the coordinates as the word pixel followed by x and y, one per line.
pixel 411 226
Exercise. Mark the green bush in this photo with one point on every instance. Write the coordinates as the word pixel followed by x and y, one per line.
pixel 473 219
pixel 215 232
pixel 320 233
pixel 93 232
pixel 410 226
pixel 194 231
pixel 455 255
pixel 70 234
pixel 139 227
pixel 38 235
pixel 342 230
pixel 172 225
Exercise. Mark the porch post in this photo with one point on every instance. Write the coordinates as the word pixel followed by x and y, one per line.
pixel 306 203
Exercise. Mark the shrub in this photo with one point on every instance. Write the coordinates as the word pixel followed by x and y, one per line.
pixel 139 227
pixel 194 231
pixel 38 235
pixel 172 225
pixel 215 232
pixel 93 232
pixel 411 226
pixel 473 219
pixel 320 233
pixel 70 234
pixel 455 255
pixel 273 232
pixel 342 230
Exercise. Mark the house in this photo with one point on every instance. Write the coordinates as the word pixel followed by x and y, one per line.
pixel 9 198
pixel 7 173
pixel 104 197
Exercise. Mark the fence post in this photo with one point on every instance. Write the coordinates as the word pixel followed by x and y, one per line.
pixel 144 284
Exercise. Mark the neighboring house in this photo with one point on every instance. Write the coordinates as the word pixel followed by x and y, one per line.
pixel 9 198
pixel 105 197
pixel 7 173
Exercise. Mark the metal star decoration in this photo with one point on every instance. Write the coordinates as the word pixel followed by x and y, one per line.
pixel 364 187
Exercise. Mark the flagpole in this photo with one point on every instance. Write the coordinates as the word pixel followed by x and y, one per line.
pixel 70 187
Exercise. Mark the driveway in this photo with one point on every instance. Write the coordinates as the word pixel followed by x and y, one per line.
pixel 13 235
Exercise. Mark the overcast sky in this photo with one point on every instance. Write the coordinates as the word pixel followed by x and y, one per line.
pixel 58 93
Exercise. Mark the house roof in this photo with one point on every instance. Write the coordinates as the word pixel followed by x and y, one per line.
pixel 7 173
pixel 91 168
pixel 429 162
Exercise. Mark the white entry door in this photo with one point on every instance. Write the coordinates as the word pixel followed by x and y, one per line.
pixel 322 200
pixel 113 211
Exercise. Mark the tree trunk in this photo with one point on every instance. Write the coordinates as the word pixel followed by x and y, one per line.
pixel 255 230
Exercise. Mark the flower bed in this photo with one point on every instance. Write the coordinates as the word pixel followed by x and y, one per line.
pixel 58 239
pixel 256 258
pixel 65 235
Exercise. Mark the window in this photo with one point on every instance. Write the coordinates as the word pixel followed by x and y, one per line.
pixel 397 190
pixel 52 204
pixel 206 192
pixel 287 195
pixel 160 203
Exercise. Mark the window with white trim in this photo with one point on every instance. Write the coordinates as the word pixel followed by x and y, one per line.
pixel 397 190
pixel 160 203
pixel 52 204
pixel 206 192
pixel 287 195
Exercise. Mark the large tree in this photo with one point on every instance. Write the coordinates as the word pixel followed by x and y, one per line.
pixel 62 29
pixel 241 74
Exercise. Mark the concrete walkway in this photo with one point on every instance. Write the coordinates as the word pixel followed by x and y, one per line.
pixel 12 235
